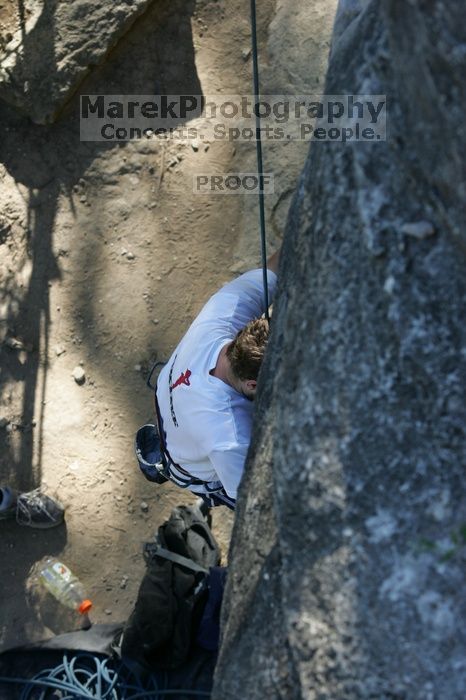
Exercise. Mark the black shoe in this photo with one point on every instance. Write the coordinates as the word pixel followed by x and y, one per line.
pixel 34 509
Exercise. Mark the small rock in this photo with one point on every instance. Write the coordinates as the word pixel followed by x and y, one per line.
pixel 245 53
pixel 4 422
pixel 59 350
pixel 137 368
pixel 79 375
pixel 124 251
pixel 144 507
pixel 418 229
pixel 389 285
pixel 124 581
pixel 195 145
pixel 177 158
pixel 130 256
pixel 108 611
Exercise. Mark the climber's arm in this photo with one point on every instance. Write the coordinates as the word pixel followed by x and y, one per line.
pixel 274 260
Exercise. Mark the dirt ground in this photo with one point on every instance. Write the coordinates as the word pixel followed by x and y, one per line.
pixel 106 255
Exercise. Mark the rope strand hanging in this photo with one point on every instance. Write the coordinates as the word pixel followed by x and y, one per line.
pixel 260 168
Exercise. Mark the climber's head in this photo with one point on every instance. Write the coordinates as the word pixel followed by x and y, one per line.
pixel 245 354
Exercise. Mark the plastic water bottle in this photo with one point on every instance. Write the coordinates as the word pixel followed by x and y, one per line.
pixel 64 585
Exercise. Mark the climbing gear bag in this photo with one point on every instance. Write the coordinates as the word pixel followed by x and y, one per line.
pixel 161 629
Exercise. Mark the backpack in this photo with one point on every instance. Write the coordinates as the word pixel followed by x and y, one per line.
pixel 173 593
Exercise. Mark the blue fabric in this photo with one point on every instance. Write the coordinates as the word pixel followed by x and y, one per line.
pixel 208 634
pixel 149 454
pixel 219 498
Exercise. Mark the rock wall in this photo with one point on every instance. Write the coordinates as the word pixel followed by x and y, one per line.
pixel 348 556
pixel 54 45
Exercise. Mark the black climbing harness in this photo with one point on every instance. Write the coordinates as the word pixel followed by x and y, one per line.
pixel 152 452
pixel 153 456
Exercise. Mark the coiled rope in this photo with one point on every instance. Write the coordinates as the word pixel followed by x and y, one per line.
pixel 89 677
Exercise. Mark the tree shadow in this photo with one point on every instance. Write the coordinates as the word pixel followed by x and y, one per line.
pixel 33 156
pixel 31 321
pixel 47 162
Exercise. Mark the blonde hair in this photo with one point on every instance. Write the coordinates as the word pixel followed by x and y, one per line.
pixel 247 350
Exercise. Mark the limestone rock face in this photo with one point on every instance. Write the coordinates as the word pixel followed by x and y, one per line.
pixel 55 44
pixel 348 560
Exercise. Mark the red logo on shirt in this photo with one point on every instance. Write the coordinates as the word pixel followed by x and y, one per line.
pixel 182 379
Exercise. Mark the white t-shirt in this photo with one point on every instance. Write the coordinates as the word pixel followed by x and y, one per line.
pixel 207 423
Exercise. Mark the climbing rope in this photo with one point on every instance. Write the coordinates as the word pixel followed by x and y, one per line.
pixel 89 677
pixel 260 167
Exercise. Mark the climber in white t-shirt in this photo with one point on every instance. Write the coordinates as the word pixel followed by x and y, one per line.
pixel 205 391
